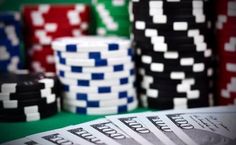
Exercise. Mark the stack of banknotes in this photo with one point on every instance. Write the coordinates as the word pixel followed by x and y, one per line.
pixel 204 126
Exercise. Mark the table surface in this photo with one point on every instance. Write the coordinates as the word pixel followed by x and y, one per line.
pixel 11 131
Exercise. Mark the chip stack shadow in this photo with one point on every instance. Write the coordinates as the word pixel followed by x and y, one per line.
pixel 173 47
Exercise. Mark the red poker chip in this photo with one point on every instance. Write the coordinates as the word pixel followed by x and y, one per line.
pixel 44 23
pixel 40 36
pixel 227 58
pixel 227 54
pixel 227 32
pixel 223 82
pixel 222 6
pixel 56 14
pixel 44 55
pixel 225 101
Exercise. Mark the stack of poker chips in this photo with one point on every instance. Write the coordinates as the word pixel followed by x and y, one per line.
pixel 174 56
pixel 28 97
pixel 97 74
pixel 111 17
pixel 44 23
pixel 226 36
pixel 10 38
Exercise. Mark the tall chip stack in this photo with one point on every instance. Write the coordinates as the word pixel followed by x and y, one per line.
pixel 44 23
pixel 226 35
pixel 97 74
pixel 10 38
pixel 28 96
pixel 111 17
pixel 174 53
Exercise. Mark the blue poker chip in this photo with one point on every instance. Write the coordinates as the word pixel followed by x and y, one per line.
pixel 80 69
pixel 96 89
pixel 93 62
pixel 85 82
pixel 9 17
pixel 91 44
pixel 97 75
pixel 10 38
pixel 99 97
pixel 99 103
pixel 101 110
pixel 96 55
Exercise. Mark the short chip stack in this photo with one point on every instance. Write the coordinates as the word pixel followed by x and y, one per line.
pixel 10 38
pixel 28 97
pixel 226 35
pixel 174 55
pixel 97 74
pixel 111 17
pixel 44 23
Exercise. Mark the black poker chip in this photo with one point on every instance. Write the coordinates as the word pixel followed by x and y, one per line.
pixel 29 109
pixel 157 80
pixel 172 103
pixel 174 4
pixel 10 83
pixel 11 104
pixel 174 55
pixel 178 75
pixel 163 32
pixel 28 96
pixel 28 117
pixel 173 47
pixel 174 44
pixel 200 67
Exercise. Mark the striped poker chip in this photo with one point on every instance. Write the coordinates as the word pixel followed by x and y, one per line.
pixel 45 23
pixel 28 96
pixel 11 51
pixel 226 36
pixel 109 19
pixel 97 74
pixel 173 45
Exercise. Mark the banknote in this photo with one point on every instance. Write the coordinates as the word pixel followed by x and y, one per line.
pixel 108 130
pixel 130 124
pixel 203 126
pixel 159 127
pixel 57 137
pixel 22 141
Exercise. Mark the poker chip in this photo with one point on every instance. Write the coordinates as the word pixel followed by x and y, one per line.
pixel 94 79
pixel 226 36
pixel 11 52
pixel 174 52
pixel 101 110
pixel 28 96
pixel 43 23
pixel 108 17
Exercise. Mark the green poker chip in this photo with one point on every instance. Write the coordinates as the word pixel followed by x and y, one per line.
pixel 112 17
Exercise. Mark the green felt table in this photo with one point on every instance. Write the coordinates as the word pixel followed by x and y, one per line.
pixel 11 131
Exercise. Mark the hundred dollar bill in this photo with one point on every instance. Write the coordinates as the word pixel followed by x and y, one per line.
pixel 130 124
pixel 159 127
pixel 21 141
pixel 57 137
pixel 203 126
pixel 109 131
pixel 82 132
